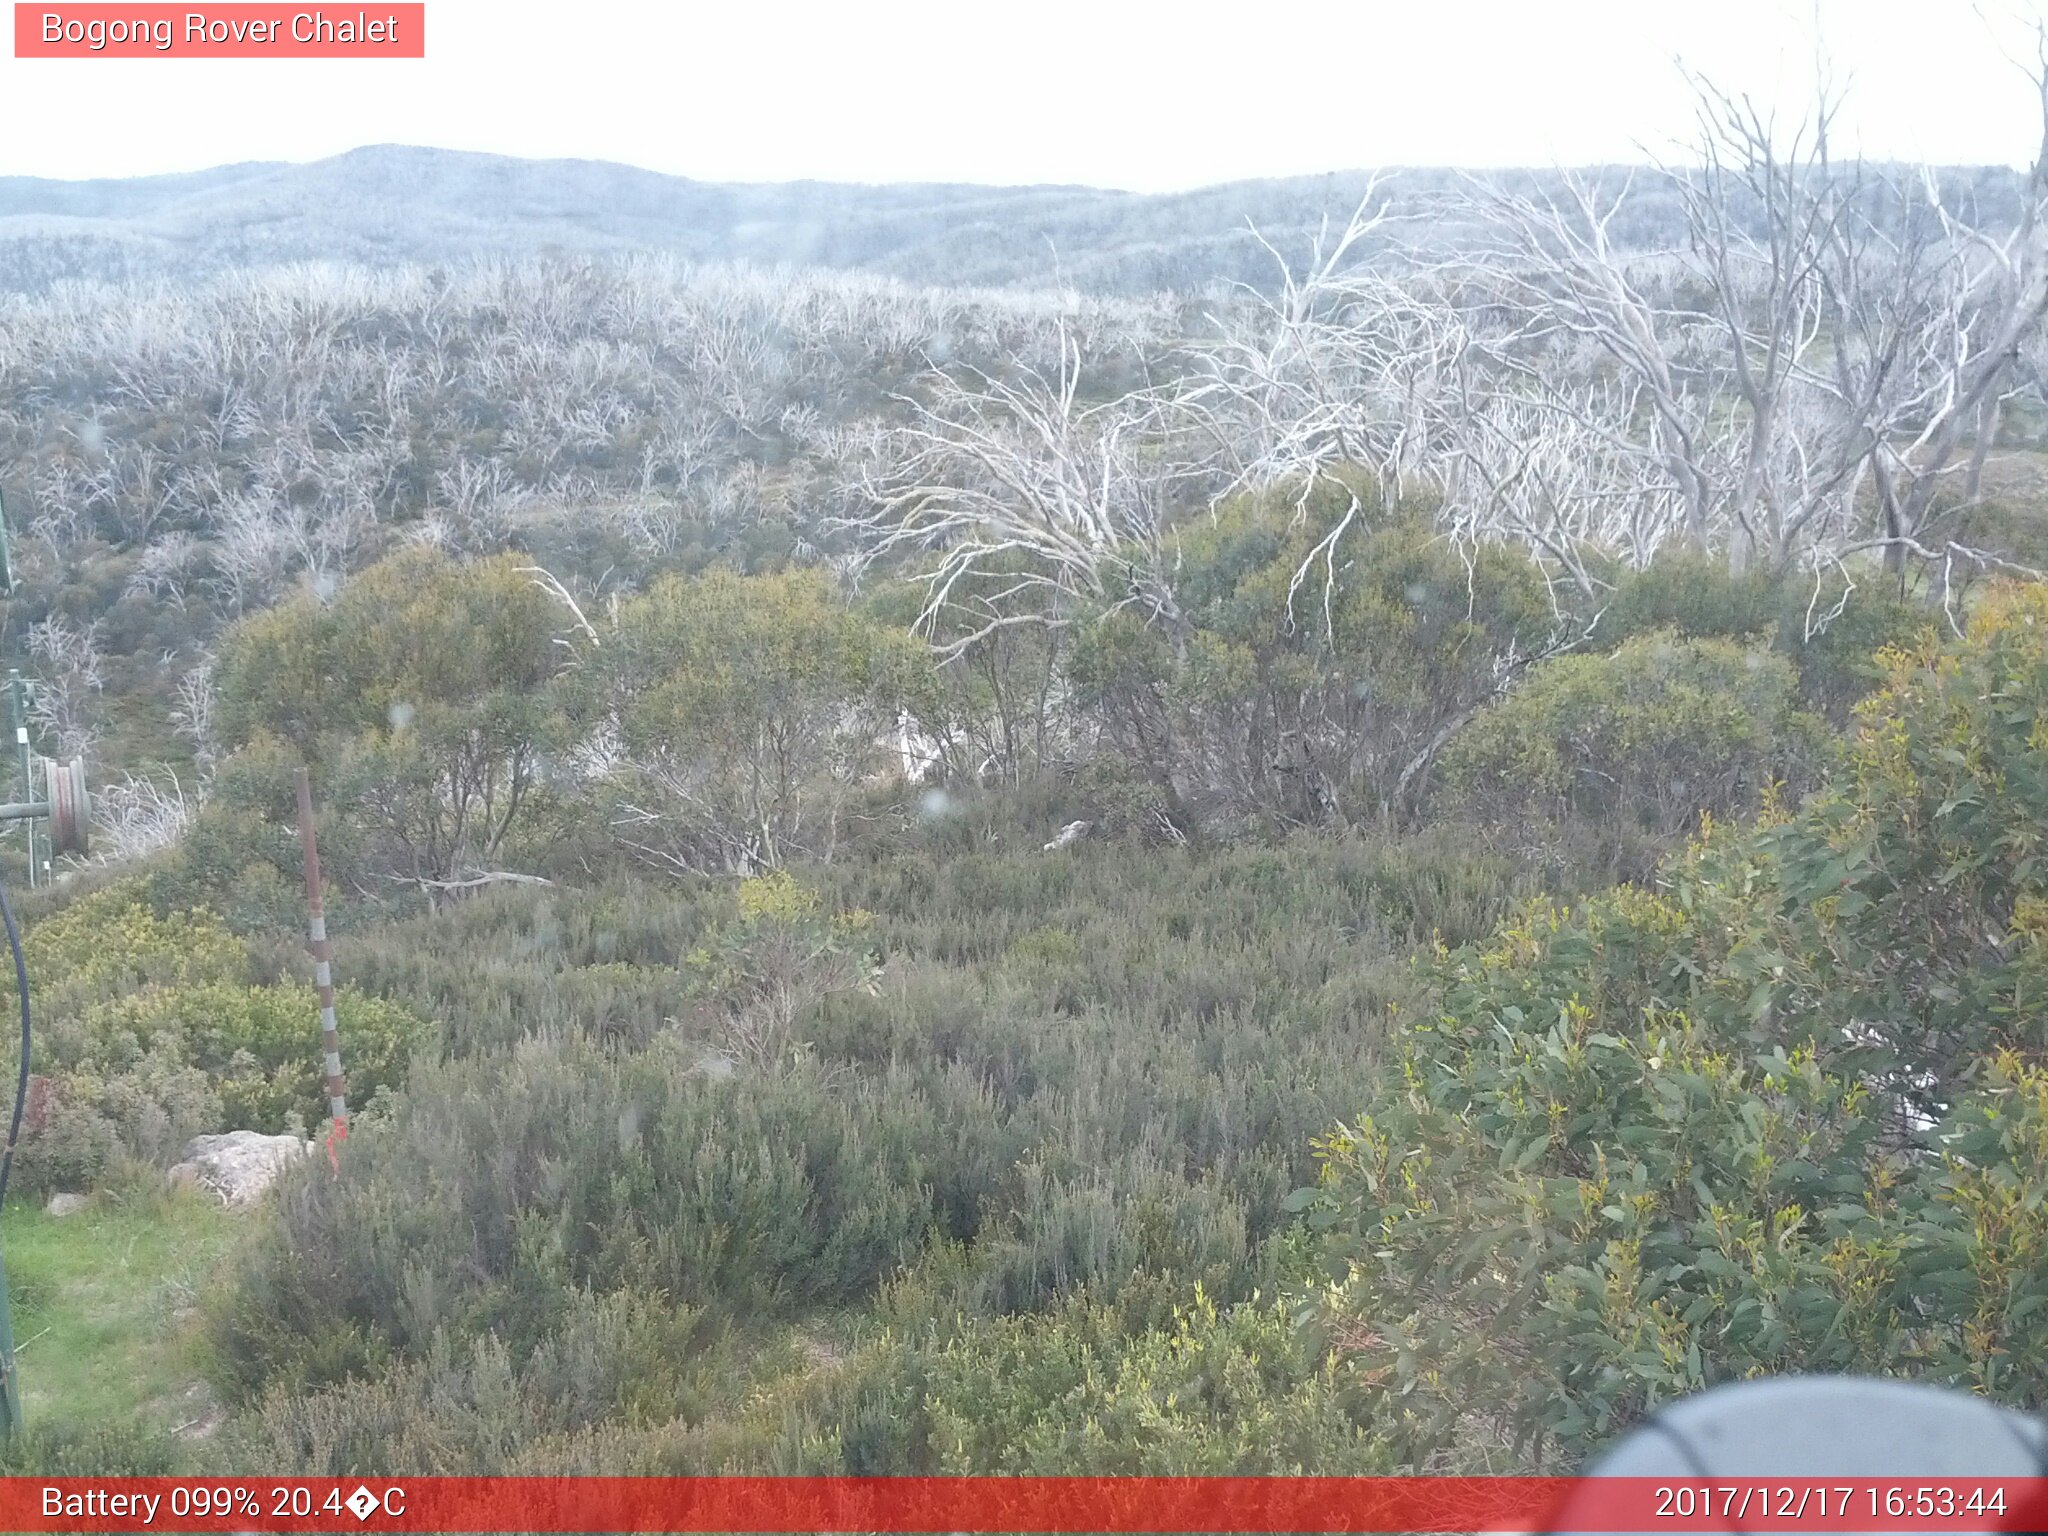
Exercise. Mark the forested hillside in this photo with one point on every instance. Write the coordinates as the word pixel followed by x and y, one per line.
pixel 1381 870
pixel 393 204
pixel 396 204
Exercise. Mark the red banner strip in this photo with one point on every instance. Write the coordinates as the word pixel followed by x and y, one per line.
pixel 1021 1504
pixel 220 31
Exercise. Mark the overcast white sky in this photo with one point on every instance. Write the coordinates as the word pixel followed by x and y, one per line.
pixel 1126 93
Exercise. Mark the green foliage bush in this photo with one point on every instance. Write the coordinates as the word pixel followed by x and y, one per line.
pixel 1291 703
pixel 1027 1077
pixel 465 1408
pixel 113 942
pixel 151 1029
pixel 1786 1113
pixel 499 1191
pixel 72 1450
pixel 1830 630
pixel 1213 1391
pixel 749 708
pixel 766 970
pixel 421 696
pixel 89 1127
pixel 257 1046
pixel 609 963
pixel 1642 740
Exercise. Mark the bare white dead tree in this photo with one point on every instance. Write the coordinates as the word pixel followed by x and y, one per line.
pixel 140 815
pixel 1337 369
pixel 69 673
pixel 192 716
pixel 551 584
pixel 1022 494
pixel 1550 471
pixel 1826 330
pixel 1932 357
pixel 164 570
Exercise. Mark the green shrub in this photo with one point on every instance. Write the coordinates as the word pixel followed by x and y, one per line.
pixel 86 1126
pixel 773 965
pixel 1645 739
pixel 1307 687
pixel 1214 1391
pixel 149 1032
pixel 1785 1114
pixel 94 1451
pixel 608 962
pixel 1696 595
pixel 467 1407
pixel 1830 630
pixel 1089 1073
pixel 421 697
pixel 258 1046
pixel 497 1191
pixel 112 943
pixel 749 709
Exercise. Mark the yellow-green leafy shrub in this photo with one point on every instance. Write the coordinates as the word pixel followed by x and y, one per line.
pixel 150 1029
pixel 1789 1112
pixel 1647 737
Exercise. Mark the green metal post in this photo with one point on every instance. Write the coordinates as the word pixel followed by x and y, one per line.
pixel 17 702
pixel 17 719
pixel 10 1385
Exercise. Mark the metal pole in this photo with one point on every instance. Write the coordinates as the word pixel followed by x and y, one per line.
pixel 17 706
pixel 10 1378
pixel 17 710
pixel 323 966
pixel 10 1383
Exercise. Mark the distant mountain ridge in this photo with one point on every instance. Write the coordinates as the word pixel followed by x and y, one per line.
pixel 390 204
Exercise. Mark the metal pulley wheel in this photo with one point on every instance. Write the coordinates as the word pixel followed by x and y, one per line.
pixel 70 805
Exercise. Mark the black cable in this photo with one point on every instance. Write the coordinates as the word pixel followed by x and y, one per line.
pixel 21 1085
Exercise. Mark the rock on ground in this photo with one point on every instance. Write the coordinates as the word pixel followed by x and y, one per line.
pixel 238 1165
pixel 66 1205
pixel 1070 834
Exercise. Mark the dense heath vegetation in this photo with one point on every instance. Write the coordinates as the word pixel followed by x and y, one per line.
pixel 1383 871
pixel 1267 1127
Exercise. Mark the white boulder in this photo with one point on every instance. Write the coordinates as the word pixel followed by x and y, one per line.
pixel 1070 834
pixel 238 1165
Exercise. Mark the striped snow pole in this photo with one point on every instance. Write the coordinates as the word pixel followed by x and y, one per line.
pixel 323 964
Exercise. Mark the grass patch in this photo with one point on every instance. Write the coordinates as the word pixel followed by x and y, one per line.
pixel 104 1309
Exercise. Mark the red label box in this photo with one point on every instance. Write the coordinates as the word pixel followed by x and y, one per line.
pixel 222 31
pixel 580 1506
